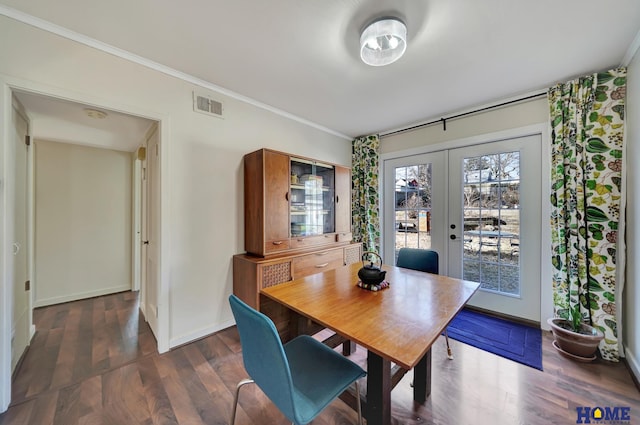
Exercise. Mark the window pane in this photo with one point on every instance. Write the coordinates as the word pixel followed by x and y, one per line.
pixel 491 221
pixel 413 206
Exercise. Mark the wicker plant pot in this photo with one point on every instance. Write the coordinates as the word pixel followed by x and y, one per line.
pixel 579 345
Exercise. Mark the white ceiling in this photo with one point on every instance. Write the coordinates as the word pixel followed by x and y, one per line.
pixel 301 57
pixel 63 121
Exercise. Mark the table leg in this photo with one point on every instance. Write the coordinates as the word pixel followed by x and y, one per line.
pixel 348 348
pixel 378 410
pixel 422 378
pixel 296 325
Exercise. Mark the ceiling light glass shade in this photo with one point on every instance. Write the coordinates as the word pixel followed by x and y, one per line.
pixel 383 42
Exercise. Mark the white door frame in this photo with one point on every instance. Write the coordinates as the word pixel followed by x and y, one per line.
pixel 546 290
pixel 7 184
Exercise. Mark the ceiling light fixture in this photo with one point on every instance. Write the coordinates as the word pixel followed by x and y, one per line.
pixel 383 42
pixel 94 113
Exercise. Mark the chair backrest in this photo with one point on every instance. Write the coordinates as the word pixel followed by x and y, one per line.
pixel 425 260
pixel 263 354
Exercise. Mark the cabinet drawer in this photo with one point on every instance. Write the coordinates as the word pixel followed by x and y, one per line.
pixel 309 241
pixel 317 262
pixel 276 246
pixel 344 237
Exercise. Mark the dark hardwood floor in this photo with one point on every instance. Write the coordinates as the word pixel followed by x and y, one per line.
pixel 94 362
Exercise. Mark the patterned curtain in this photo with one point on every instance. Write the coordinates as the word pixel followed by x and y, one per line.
pixel 364 192
pixel 587 116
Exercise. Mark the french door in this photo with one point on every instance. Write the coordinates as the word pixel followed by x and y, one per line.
pixel 495 221
pixel 414 204
pixel 479 208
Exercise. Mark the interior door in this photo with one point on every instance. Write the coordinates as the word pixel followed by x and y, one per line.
pixel 21 307
pixel 152 224
pixel 143 230
pixel 494 223
pixel 414 205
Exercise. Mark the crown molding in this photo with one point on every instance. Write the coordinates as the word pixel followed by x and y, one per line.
pixel 50 27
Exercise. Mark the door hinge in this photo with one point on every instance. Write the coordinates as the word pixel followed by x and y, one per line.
pixel 27 285
pixel 27 140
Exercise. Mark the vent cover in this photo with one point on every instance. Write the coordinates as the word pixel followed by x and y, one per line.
pixel 206 105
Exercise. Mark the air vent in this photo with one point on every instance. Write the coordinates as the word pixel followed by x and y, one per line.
pixel 204 104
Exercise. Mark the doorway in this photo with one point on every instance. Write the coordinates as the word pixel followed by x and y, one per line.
pixel 479 207
pixel 7 88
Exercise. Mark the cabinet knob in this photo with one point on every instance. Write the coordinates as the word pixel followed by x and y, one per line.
pixel 337 199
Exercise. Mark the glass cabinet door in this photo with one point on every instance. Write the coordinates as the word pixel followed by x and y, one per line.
pixel 312 198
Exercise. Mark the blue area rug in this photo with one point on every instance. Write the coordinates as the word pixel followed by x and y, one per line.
pixel 514 341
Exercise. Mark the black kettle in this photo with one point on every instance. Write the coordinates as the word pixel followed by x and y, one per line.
pixel 371 274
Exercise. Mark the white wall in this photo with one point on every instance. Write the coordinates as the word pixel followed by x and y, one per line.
pixel 82 222
pixel 631 295
pixel 505 118
pixel 203 160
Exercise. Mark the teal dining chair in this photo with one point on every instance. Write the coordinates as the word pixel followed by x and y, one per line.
pixel 424 260
pixel 300 377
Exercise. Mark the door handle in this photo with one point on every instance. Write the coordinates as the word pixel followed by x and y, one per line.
pixel 146 242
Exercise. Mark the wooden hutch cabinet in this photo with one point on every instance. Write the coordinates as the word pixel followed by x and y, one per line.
pixel 297 214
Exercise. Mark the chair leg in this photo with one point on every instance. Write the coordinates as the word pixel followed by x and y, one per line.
pixel 449 352
pixel 235 398
pixel 358 401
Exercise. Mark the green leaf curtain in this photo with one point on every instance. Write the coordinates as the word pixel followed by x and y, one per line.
pixel 364 192
pixel 587 122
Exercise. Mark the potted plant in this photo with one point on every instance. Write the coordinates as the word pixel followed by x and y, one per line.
pixel 573 337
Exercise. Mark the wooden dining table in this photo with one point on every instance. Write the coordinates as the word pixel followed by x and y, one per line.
pixel 396 325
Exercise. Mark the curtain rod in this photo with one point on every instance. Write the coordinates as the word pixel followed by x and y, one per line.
pixel 444 120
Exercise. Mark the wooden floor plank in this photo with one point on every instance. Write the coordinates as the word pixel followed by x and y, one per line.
pixel 68 406
pixel 157 399
pixel 20 414
pixel 94 363
pixel 44 408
